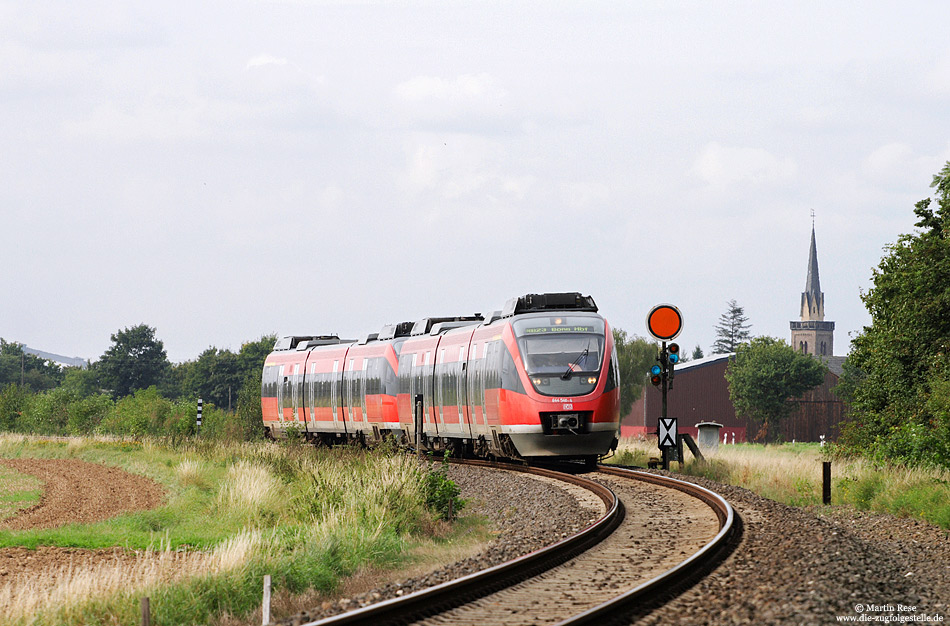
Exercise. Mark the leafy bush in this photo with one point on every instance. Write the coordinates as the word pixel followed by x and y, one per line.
pixel 46 413
pixel 13 401
pixel 84 414
pixel 441 492
pixel 144 413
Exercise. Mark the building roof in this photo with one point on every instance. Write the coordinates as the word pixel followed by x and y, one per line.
pixel 706 360
pixel 834 363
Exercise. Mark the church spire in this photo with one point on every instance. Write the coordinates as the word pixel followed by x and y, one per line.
pixel 813 301
pixel 813 335
pixel 812 283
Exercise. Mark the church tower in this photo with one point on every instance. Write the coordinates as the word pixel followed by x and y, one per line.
pixel 813 335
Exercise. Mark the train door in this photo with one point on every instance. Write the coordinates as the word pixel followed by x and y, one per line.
pixel 464 425
pixel 335 395
pixel 294 391
pixel 362 396
pixel 428 368
pixel 348 410
pixel 439 378
pixel 280 394
pixel 471 383
pixel 312 394
pixel 413 390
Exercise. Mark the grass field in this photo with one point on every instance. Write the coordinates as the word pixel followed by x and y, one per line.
pixel 17 491
pixel 791 473
pixel 310 518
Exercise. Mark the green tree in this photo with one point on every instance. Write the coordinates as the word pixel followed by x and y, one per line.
pixel 697 353
pixel 136 360
pixel 765 375
pixel 732 329
pixel 253 354
pixel 20 367
pixel 13 402
pixel 81 381
pixel 899 370
pixel 634 357
pixel 215 377
pixel 249 414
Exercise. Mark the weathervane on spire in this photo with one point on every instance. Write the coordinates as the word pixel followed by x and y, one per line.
pixel 813 218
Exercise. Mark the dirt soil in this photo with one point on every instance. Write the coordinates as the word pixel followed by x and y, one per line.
pixel 77 492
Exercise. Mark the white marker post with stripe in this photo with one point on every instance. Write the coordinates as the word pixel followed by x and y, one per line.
pixel 198 430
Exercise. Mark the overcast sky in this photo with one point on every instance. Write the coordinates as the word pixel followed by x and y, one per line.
pixel 223 170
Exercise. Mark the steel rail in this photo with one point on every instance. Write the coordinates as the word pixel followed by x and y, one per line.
pixel 637 600
pixel 451 594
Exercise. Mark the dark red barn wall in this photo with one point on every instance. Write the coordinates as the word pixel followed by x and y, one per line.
pixel 700 394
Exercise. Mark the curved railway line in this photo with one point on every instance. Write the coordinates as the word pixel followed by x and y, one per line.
pixel 657 536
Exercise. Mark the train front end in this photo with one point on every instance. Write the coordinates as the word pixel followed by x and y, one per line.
pixel 566 356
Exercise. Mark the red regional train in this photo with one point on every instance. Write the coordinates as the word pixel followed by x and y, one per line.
pixel 537 379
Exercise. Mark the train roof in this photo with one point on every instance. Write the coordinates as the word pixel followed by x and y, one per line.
pixel 538 302
pixel 302 342
pixel 425 325
pixel 528 303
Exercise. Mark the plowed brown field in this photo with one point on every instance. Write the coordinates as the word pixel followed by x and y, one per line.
pixel 79 492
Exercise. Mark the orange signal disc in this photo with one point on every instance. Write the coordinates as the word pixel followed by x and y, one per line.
pixel 664 322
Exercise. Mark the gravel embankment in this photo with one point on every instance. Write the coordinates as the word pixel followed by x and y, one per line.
pixel 534 514
pixel 793 566
pixel 797 566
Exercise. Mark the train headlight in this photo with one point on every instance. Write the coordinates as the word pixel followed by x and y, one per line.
pixel 592 380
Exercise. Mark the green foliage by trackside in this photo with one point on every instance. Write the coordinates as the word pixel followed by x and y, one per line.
pixel 898 375
pixel 441 492
pixel 635 355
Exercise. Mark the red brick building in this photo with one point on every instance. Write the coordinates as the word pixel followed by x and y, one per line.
pixel 700 394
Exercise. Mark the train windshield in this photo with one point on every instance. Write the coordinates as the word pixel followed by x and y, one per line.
pixel 563 355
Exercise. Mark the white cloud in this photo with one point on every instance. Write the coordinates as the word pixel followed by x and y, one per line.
pixel 585 194
pixel 464 88
pixel 727 165
pixel 938 78
pixel 154 119
pixel 887 157
pixel 816 115
pixel 898 166
pixel 463 102
pixel 452 172
pixel 264 59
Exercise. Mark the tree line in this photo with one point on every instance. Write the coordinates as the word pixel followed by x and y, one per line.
pixel 132 389
pixel 896 379
pixel 897 376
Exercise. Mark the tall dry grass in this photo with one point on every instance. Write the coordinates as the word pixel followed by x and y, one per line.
pixel 314 516
pixel 792 474
pixel 24 597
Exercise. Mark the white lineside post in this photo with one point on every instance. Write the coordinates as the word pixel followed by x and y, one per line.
pixel 265 606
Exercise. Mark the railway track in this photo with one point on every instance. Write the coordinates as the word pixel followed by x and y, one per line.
pixel 657 536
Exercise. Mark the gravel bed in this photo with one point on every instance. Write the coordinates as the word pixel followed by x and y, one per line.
pixel 792 566
pixel 537 514
pixel 810 566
